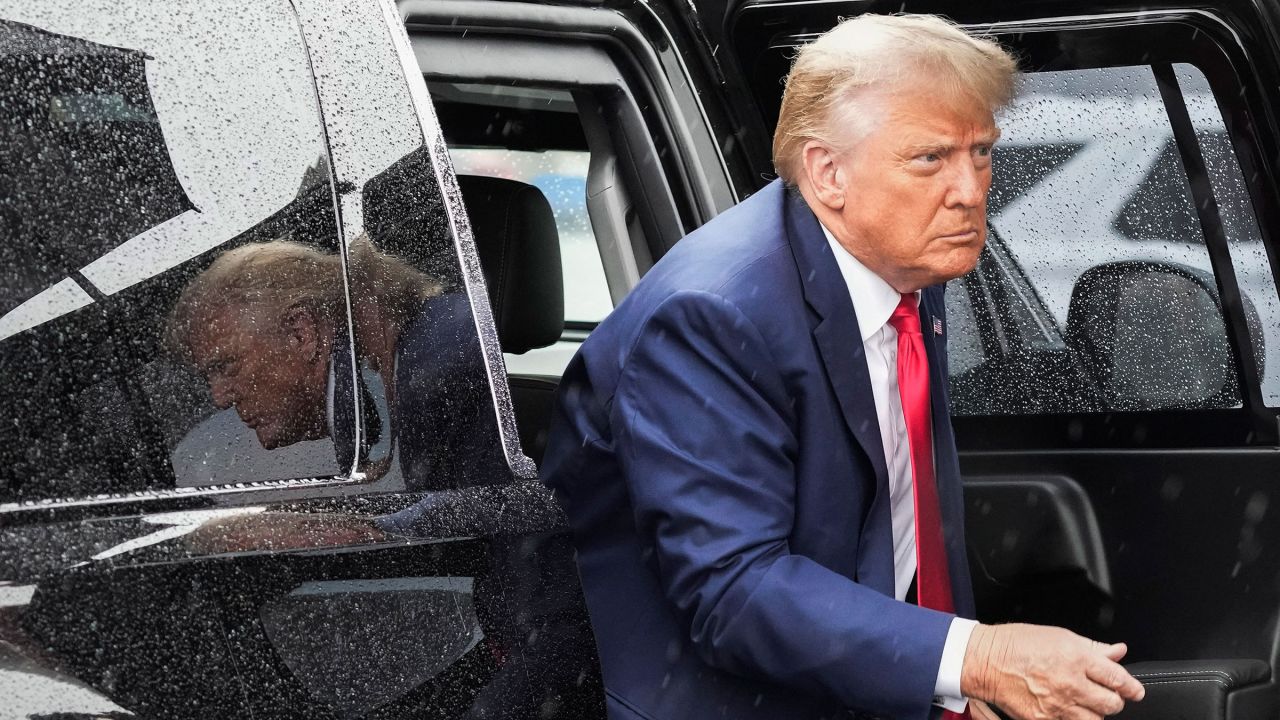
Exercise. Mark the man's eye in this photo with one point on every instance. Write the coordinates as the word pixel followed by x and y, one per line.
pixel 983 151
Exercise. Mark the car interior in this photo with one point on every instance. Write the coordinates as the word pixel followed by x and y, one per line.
pixel 515 229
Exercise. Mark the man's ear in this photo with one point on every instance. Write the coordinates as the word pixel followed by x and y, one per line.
pixel 303 329
pixel 825 177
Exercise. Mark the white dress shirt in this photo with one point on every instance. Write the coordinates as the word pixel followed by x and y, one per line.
pixel 874 301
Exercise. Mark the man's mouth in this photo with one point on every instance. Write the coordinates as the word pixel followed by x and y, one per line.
pixel 960 235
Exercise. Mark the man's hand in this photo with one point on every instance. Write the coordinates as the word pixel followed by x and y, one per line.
pixel 1033 672
pixel 284 531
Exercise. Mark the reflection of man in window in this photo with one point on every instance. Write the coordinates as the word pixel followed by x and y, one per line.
pixel 265 325
pixel 259 326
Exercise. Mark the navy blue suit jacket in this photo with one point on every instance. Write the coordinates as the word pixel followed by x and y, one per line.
pixel 717 453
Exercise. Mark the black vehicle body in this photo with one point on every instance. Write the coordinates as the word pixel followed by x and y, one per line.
pixel 1128 509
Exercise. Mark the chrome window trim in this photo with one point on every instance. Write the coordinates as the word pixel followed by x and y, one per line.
pixel 464 244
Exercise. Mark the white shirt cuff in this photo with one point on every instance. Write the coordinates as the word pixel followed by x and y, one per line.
pixel 946 691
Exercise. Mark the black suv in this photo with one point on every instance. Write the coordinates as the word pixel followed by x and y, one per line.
pixel 286 288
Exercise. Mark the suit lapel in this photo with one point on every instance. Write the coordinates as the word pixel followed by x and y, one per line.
pixel 837 333
pixel 840 346
pixel 946 462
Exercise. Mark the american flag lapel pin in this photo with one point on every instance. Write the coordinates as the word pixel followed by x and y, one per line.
pixel 937 326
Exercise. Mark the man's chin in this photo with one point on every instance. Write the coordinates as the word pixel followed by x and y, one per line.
pixel 939 276
pixel 268 440
pixel 964 269
pixel 959 265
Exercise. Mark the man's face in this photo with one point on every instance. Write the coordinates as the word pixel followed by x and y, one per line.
pixel 273 371
pixel 915 188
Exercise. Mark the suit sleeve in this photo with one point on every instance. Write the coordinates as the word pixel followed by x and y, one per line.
pixel 703 429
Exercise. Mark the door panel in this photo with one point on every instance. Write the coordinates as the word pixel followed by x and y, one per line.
pixel 1036 551
pixel 449 604
pixel 1189 541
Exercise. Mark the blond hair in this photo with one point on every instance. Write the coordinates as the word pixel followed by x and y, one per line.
pixel 271 277
pixel 826 91
pixel 395 289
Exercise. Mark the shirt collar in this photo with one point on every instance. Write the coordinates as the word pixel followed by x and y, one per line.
pixel 874 300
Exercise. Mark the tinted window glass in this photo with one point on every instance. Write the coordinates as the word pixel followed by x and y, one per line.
pixel 964 349
pixel 427 411
pixel 1016 168
pixel 135 156
pixel 1160 206
pixel 1248 254
pixel 1097 266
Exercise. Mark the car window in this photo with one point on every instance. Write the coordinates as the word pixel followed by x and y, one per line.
pixel 533 135
pixel 965 351
pixel 1239 223
pixel 561 175
pixel 426 407
pixel 149 170
pixel 1096 288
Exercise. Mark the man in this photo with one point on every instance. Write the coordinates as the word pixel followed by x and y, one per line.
pixel 260 324
pixel 754 451
pixel 265 324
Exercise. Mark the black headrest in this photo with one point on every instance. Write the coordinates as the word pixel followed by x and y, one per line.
pixel 519 250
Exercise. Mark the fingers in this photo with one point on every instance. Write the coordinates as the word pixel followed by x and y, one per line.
pixel 1110 675
pixel 1053 674
pixel 1116 652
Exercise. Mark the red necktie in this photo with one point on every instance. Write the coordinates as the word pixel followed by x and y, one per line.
pixel 933 580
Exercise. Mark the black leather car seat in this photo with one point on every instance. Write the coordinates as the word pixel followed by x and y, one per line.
pixel 519 248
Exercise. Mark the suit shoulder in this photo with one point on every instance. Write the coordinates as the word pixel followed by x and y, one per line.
pixel 749 238
pixel 743 256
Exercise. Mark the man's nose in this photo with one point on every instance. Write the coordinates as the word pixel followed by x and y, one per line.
pixel 969 186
